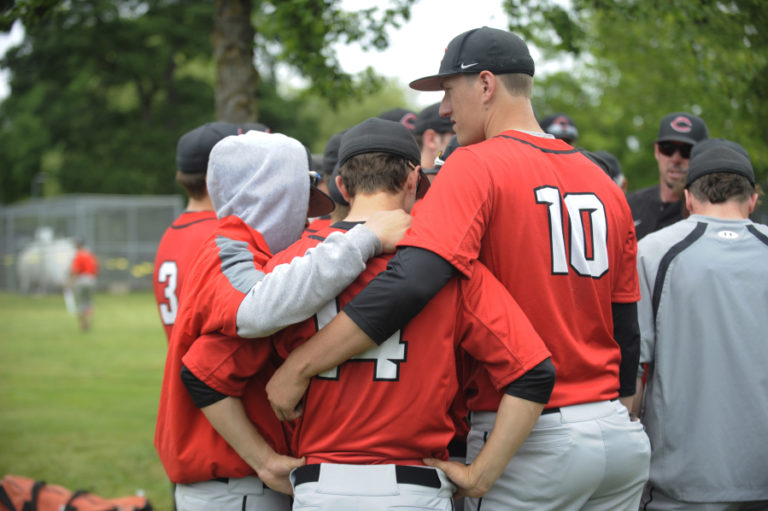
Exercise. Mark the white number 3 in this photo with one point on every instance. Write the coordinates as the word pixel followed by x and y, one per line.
pixel 168 273
pixel 588 229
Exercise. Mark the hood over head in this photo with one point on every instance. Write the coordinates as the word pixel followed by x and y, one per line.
pixel 263 178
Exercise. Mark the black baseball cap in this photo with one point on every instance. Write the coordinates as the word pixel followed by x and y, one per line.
pixel 429 118
pixel 404 116
pixel 719 155
pixel 480 49
pixel 682 127
pixel 195 146
pixel 378 135
pixel 605 161
pixel 561 126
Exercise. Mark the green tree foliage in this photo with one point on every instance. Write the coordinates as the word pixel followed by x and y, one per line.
pixel 102 89
pixel 100 92
pixel 638 60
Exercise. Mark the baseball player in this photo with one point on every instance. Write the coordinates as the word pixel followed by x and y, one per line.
pixel 432 134
pixel 83 271
pixel 443 155
pixel 255 180
pixel 557 232
pixel 561 126
pixel 369 423
pixel 660 205
pixel 703 323
pixel 181 240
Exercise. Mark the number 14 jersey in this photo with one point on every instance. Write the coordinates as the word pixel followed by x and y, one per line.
pixel 391 404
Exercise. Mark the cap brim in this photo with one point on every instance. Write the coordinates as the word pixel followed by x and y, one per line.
pixel 677 138
pixel 319 203
pixel 430 83
pixel 424 184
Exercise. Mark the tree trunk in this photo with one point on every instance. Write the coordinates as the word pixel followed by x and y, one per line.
pixel 236 75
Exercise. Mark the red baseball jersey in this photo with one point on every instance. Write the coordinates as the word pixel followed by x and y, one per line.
pixel 174 256
pixel 316 225
pixel 557 232
pixel 392 404
pixel 189 447
pixel 84 263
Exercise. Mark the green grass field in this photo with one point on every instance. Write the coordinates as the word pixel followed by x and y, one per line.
pixel 78 409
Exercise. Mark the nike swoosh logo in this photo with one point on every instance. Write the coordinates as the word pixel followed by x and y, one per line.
pixel 467 66
pixel 638 222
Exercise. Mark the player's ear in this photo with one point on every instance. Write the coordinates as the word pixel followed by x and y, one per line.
pixel 487 83
pixel 342 188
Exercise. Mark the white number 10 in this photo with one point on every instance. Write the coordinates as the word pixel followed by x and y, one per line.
pixel 588 230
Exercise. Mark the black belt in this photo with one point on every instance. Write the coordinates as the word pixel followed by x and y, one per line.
pixel 422 476
pixel 557 409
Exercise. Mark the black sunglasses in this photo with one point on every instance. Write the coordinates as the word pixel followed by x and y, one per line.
pixel 669 148
pixel 315 178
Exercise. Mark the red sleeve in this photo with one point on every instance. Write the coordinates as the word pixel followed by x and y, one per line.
pixel 626 284
pixel 494 329
pixel 227 363
pixel 453 216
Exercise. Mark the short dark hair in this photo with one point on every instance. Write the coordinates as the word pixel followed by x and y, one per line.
pixel 720 187
pixel 193 184
pixel 374 172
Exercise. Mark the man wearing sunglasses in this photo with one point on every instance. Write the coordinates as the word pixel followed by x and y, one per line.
pixel 660 205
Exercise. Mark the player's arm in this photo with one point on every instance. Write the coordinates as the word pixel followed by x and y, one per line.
pixel 514 420
pixel 413 275
pixel 228 418
pixel 294 291
pixel 626 331
pixel 646 270
pixel 494 331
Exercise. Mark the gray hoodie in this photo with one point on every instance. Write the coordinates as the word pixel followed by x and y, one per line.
pixel 263 178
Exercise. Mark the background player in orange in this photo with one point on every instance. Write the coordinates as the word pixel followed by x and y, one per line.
pixel 259 185
pixel 369 423
pixel 83 272
pixel 558 233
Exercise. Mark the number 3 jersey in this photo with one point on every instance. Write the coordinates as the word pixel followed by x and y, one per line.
pixel 391 404
pixel 175 253
pixel 556 231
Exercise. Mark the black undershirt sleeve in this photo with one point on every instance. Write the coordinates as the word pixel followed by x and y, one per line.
pixel 413 276
pixel 202 395
pixel 626 331
pixel 536 385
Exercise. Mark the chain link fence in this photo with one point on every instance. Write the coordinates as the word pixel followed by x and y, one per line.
pixel 37 239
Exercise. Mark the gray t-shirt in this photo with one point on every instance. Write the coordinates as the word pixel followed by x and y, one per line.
pixel 704 326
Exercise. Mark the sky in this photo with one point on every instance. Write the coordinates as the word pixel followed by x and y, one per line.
pixel 415 48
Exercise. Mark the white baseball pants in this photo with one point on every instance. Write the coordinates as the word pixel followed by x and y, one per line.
pixel 241 494
pixel 581 457
pixel 337 487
